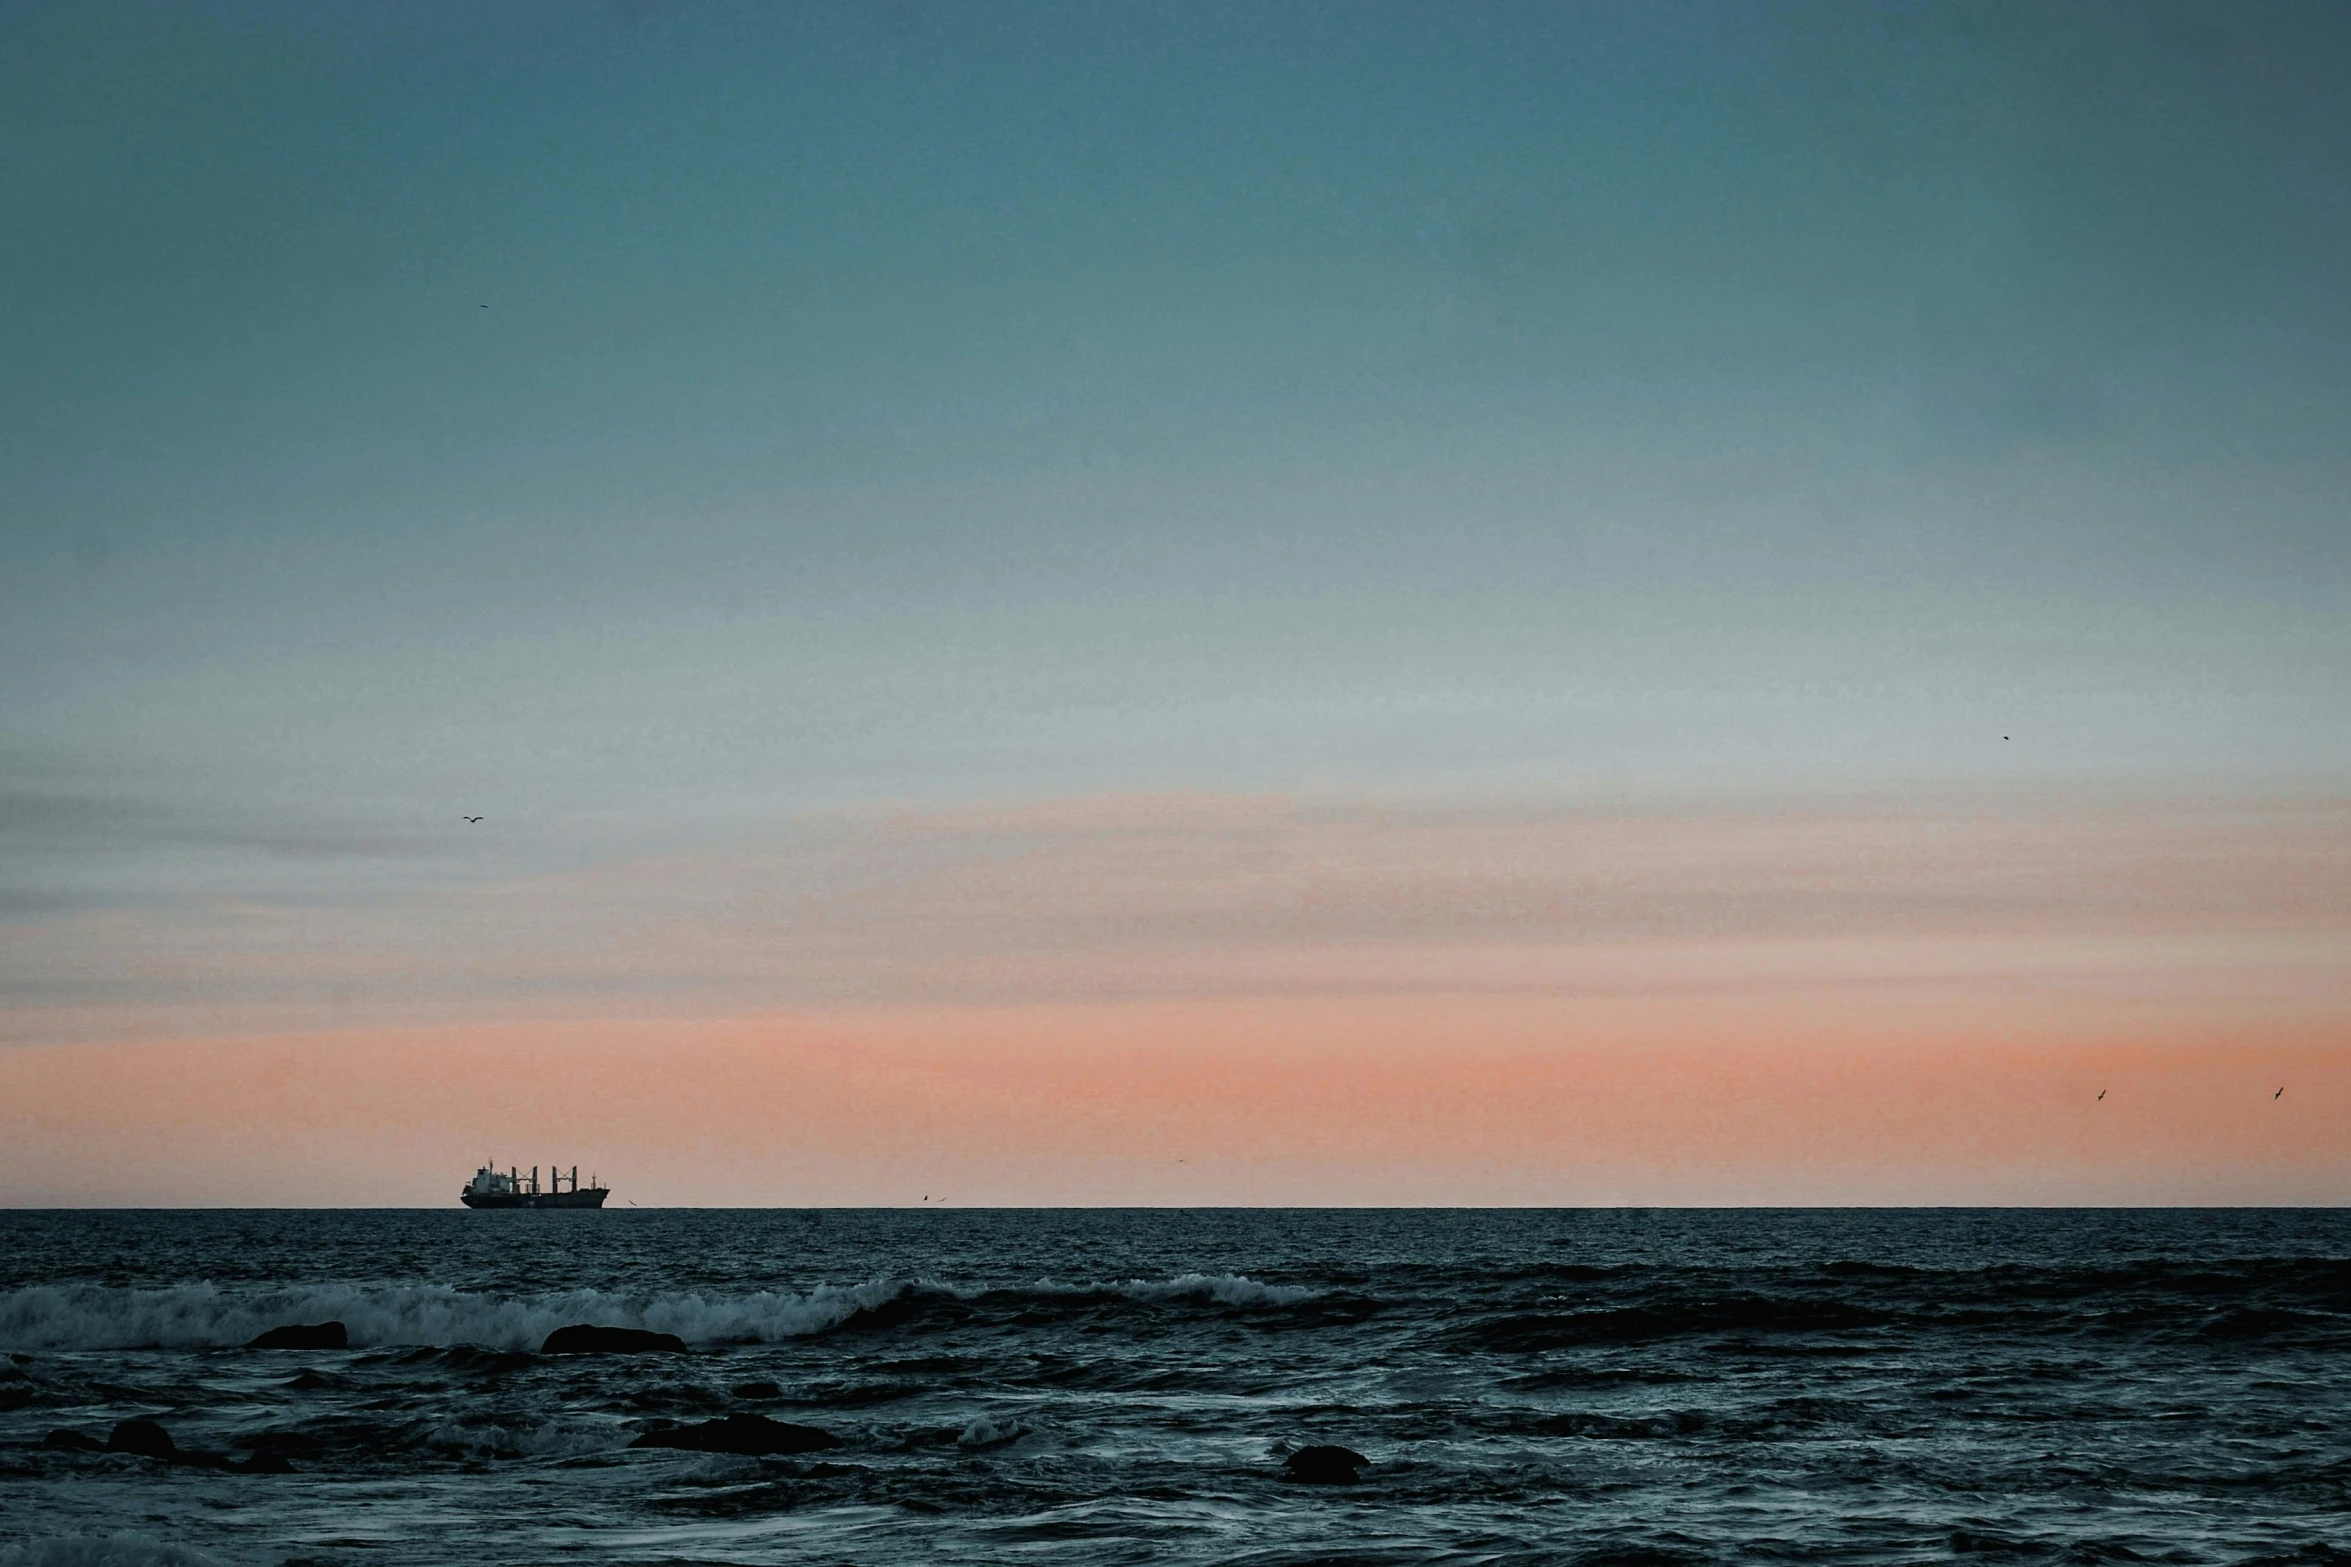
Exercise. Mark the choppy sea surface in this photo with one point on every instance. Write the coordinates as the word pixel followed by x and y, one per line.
pixel 1619 1387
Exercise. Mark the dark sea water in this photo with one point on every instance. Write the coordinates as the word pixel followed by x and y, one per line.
pixel 1087 1386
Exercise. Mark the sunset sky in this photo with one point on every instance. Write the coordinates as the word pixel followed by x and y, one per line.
pixel 1647 603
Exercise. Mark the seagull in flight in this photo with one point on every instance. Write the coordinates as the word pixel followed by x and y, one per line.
pixel 2280 1094
pixel 2101 1093
pixel 473 818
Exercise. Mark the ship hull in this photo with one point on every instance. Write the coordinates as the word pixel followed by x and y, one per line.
pixel 593 1197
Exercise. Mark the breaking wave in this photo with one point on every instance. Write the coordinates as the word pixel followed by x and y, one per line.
pixel 205 1316
pixel 1226 1289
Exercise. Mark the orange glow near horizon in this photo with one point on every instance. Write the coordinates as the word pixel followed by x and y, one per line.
pixel 1202 1000
pixel 1308 1101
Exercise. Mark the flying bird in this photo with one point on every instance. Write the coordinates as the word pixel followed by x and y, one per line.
pixel 2101 1093
pixel 473 818
pixel 2280 1094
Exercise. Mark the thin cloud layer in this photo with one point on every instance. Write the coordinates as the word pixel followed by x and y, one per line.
pixel 2194 900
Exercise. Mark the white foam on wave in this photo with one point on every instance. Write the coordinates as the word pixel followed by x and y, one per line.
pixel 770 1315
pixel 103 1550
pixel 202 1316
pixel 206 1316
pixel 1226 1289
pixel 988 1432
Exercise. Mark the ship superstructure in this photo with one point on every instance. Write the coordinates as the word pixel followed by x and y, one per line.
pixel 510 1188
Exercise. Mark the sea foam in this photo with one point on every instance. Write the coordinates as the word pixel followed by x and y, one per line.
pixel 206 1316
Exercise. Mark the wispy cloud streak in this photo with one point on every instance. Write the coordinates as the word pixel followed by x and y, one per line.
pixel 2221 901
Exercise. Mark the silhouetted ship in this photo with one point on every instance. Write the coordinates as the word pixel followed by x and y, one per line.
pixel 512 1189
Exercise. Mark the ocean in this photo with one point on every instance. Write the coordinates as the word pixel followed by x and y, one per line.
pixel 1090 1386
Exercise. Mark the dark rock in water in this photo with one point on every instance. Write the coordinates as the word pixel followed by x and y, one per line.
pixel 756 1390
pixel 277 1446
pixel 1325 1465
pixel 294 1335
pixel 149 1440
pixel 582 1339
pixel 741 1432
pixel 143 1437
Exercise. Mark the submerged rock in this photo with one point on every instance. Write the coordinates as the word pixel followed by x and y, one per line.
pixel 741 1432
pixel 585 1339
pixel 295 1335
pixel 277 1445
pixel 143 1437
pixel 149 1440
pixel 1325 1465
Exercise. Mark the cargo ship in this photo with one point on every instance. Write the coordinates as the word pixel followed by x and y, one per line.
pixel 511 1188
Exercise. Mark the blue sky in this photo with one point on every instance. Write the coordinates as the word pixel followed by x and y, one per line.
pixel 648 426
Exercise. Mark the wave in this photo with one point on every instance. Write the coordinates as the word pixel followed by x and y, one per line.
pixel 206 1316
pixel 1732 1316
pixel 1225 1289
pixel 540 1439
pixel 108 1550
pixel 987 1432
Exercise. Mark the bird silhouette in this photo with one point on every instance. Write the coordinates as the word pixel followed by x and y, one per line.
pixel 2101 1093
pixel 2280 1094
pixel 473 818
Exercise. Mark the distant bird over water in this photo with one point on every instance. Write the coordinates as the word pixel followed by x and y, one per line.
pixel 473 818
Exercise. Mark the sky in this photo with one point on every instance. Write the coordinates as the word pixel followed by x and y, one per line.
pixel 1648 603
